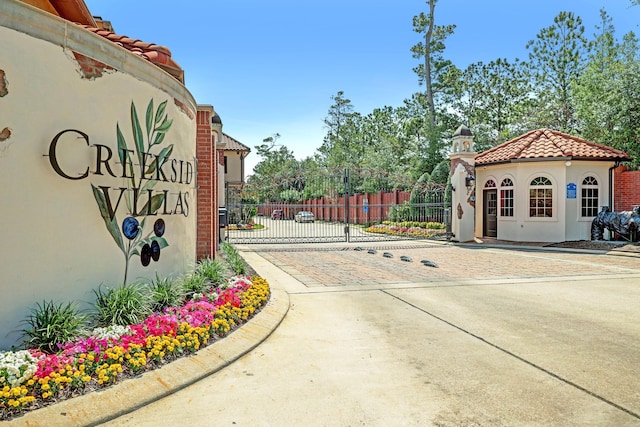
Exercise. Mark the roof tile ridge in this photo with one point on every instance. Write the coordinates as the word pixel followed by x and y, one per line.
pixel 558 139
pixel 522 142
pixel 497 147
pixel 591 144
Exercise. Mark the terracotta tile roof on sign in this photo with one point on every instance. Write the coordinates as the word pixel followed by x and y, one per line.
pixel 233 144
pixel 159 55
pixel 548 144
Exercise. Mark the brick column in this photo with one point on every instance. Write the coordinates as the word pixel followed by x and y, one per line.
pixel 207 220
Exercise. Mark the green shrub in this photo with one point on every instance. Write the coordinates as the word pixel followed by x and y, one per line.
pixel 238 265
pixel 50 324
pixel 212 270
pixel 125 305
pixel 165 292
pixel 398 213
pixel 194 284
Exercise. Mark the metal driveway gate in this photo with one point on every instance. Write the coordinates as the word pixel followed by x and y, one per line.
pixel 341 209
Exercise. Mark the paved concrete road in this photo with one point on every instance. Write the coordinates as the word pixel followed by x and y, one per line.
pixel 491 337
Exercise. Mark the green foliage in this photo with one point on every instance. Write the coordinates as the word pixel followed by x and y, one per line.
pixel 50 324
pixel 557 59
pixel 400 213
pixel 431 51
pixel 440 174
pixel 194 284
pixel 165 292
pixel 248 212
pixel 125 305
pixel 238 265
pixel 212 270
pixel 267 180
pixel 290 196
pixel 337 148
pixel 607 93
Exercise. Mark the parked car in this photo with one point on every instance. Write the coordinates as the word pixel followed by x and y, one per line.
pixel 277 214
pixel 304 216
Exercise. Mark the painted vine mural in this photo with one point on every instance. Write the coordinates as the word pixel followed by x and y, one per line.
pixel 132 236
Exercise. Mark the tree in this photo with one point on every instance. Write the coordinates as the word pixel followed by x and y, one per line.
pixel 557 58
pixel 273 174
pixel 430 51
pixel 491 99
pixel 428 143
pixel 336 149
pixel 608 91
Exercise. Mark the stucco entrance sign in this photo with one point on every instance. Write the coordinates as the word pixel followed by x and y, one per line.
pixel 144 169
pixel 572 190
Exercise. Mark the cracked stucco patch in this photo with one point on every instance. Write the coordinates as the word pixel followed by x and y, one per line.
pixel 4 84
pixel 5 133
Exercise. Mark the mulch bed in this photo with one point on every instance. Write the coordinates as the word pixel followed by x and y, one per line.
pixel 598 245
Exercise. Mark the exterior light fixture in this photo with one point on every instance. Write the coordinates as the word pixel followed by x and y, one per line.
pixel 469 181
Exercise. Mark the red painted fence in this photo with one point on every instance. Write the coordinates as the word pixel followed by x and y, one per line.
pixel 363 208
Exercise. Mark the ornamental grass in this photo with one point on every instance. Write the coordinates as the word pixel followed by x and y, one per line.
pixel 31 379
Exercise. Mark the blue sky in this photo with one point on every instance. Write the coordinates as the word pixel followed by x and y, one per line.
pixel 272 67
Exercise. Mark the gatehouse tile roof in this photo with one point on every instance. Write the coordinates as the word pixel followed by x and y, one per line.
pixel 548 144
pixel 232 144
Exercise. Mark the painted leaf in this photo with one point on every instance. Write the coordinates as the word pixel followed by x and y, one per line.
pixel 111 223
pixel 165 125
pixel 162 158
pixel 165 153
pixel 156 202
pixel 122 144
pixel 160 112
pixel 137 133
pixel 149 117
pixel 161 241
pixel 159 138
pixel 148 186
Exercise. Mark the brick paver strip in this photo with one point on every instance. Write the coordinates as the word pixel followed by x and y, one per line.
pixel 349 267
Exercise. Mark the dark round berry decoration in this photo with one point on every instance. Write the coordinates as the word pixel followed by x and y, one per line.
pixel 155 250
pixel 145 255
pixel 130 227
pixel 158 227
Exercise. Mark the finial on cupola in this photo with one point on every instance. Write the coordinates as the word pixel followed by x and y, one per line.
pixel 462 140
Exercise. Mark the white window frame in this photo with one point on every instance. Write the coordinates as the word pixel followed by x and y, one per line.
pixel 504 187
pixel 593 187
pixel 551 198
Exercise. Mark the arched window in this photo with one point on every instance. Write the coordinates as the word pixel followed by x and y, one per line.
pixel 541 198
pixel 506 197
pixel 490 184
pixel 589 197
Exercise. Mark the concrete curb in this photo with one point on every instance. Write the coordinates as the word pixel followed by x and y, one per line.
pixel 532 248
pixel 124 397
pixel 525 247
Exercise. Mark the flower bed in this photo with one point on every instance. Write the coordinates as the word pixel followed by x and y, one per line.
pixel 30 379
pixel 412 229
pixel 245 226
